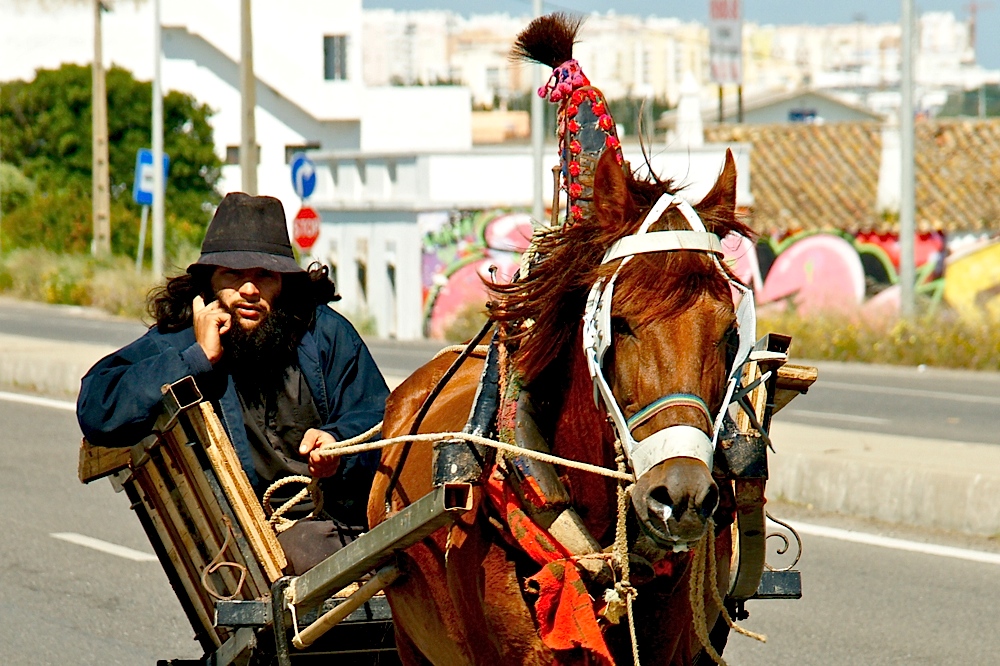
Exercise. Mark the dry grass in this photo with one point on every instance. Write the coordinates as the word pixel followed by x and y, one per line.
pixel 942 340
pixel 110 284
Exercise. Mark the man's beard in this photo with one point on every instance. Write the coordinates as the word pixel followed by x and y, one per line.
pixel 259 356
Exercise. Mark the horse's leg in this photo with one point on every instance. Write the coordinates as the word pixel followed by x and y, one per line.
pixel 408 653
pixel 508 615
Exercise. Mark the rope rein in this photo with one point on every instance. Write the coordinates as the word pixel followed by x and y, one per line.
pixel 356 445
pixel 702 567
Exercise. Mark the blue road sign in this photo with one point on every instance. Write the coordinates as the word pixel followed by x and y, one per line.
pixel 303 175
pixel 142 187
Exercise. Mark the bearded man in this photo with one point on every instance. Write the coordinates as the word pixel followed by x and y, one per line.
pixel 285 373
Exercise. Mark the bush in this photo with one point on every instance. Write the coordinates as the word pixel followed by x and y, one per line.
pixel 15 188
pixel 467 322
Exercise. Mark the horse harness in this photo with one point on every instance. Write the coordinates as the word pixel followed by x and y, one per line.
pixel 677 440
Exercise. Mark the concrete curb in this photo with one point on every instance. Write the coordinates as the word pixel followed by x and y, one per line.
pixel 913 481
pixel 46 366
pixel 908 480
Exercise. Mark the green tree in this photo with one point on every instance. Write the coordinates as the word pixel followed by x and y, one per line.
pixel 46 129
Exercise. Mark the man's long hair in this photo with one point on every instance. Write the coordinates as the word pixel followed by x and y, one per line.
pixel 170 305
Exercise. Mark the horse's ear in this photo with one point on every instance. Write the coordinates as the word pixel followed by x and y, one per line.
pixel 719 205
pixel 611 198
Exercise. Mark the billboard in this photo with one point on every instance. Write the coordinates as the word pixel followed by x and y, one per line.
pixel 725 41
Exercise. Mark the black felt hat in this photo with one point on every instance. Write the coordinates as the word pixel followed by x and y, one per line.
pixel 248 232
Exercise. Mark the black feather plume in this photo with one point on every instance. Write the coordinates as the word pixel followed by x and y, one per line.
pixel 548 39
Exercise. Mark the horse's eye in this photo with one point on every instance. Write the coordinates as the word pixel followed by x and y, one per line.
pixel 619 326
pixel 732 342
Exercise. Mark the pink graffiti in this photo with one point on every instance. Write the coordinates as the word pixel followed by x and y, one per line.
pixel 818 272
pixel 466 287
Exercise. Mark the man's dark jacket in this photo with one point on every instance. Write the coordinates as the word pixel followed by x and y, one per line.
pixel 120 396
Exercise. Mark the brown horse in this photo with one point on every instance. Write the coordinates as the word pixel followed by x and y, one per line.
pixel 463 599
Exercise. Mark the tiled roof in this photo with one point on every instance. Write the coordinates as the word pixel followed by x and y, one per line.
pixel 826 176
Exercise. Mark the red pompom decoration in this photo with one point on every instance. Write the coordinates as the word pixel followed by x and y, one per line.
pixel 605 122
pixel 612 142
pixel 599 108
pixel 573 126
pixel 574 169
pixel 576 212
pixel 575 190
pixel 577 97
pixel 572 110
pixel 575 147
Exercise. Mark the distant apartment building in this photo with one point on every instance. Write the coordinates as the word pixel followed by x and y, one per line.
pixel 648 57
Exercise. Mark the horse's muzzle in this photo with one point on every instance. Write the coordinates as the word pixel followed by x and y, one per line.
pixel 674 500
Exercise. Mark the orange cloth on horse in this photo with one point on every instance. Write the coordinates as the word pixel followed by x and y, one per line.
pixel 564 610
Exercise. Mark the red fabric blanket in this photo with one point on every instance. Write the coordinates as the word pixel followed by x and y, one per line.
pixel 566 613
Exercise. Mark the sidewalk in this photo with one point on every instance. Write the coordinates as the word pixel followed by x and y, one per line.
pixel 913 481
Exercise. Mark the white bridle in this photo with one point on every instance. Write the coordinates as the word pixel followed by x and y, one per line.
pixel 678 440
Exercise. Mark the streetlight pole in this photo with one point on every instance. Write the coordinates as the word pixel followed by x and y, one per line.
pixel 537 134
pixel 248 96
pixel 100 170
pixel 158 184
pixel 907 203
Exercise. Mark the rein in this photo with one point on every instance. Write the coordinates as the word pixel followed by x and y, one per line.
pixel 425 407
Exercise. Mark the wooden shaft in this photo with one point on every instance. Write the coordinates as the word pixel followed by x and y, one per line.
pixel 385 577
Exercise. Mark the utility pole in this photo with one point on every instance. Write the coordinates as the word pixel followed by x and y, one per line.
pixel 537 135
pixel 158 184
pixel 907 203
pixel 100 173
pixel 248 94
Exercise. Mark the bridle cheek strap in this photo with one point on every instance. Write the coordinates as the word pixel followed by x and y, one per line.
pixel 674 441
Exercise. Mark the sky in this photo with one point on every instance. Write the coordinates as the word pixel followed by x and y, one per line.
pixel 759 11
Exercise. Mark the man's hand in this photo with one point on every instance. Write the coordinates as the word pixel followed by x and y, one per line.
pixel 210 322
pixel 320 466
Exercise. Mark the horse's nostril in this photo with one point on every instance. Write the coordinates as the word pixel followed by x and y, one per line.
pixel 661 495
pixel 710 501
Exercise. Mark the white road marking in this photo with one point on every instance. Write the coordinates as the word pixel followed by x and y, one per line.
pixel 895 544
pixel 38 400
pixel 104 546
pixel 913 393
pixel 838 417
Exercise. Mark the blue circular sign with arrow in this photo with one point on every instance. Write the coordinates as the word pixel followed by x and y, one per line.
pixel 303 175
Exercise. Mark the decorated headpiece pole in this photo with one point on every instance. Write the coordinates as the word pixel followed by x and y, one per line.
pixel 583 123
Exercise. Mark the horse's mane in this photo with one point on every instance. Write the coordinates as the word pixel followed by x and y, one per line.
pixel 541 313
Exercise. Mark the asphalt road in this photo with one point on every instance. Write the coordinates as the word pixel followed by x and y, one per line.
pixel 63 603
pixel 942 404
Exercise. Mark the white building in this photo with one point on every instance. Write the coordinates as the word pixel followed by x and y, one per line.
pixel 307 60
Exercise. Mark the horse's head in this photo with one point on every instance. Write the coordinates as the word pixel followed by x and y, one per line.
pixel 673 332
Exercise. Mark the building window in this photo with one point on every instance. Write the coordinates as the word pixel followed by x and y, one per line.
pixel 299 148
pixel 335 57
pixel 807 116
pixel 233 155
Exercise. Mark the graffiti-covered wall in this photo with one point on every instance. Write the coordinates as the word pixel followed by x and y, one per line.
pixel 808 272
pixel 459 250
pixel 837 271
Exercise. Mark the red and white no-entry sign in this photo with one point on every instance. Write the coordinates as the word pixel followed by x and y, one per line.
pixel 305 227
